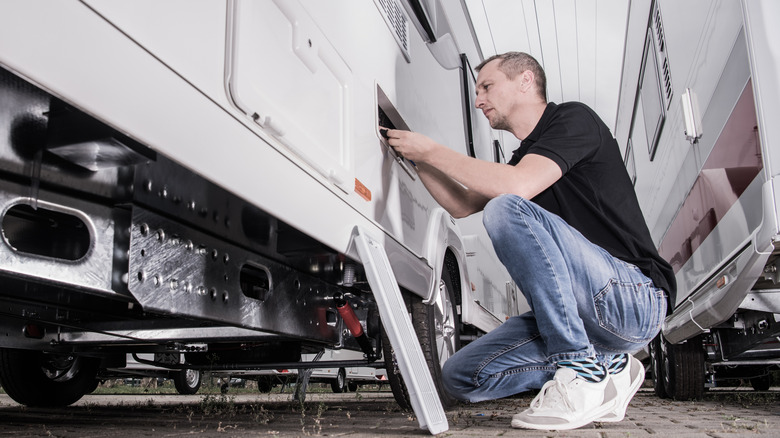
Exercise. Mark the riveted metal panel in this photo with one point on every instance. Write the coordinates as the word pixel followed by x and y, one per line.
pixel 179 271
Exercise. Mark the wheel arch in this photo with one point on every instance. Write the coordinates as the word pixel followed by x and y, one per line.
pixel 445 245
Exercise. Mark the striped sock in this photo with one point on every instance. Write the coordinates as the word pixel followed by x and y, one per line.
pixel 618 363
pixel 587 368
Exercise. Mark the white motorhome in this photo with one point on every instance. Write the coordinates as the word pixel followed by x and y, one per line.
pixel 206 177
pixel 698 119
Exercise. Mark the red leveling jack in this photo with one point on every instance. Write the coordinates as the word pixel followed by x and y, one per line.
pixel 353 324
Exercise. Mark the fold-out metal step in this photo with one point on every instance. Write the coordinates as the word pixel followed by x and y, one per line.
pixel 398 325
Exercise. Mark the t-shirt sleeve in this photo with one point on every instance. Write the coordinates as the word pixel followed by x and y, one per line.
pixel 570 137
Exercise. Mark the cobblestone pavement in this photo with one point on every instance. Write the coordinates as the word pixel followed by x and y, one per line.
pixel 723 413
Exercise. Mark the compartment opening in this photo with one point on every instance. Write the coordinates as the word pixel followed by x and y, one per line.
pixel 255 282
pixel 388 116
pixel 384 121
pixel 45 232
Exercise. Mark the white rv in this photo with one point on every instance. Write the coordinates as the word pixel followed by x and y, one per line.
pixel 206 177
pixel 341 379
pixel 698 116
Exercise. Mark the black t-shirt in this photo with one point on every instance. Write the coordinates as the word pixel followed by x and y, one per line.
pixel 595 194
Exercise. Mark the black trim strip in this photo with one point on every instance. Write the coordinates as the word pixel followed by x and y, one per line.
pixel 422 17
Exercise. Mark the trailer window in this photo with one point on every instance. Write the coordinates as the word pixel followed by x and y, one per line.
pixel 655 92
pixel 650 97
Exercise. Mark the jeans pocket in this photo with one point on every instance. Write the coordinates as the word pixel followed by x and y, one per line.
pixel 630 311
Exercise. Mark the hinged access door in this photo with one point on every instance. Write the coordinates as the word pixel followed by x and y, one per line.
pixel 285 75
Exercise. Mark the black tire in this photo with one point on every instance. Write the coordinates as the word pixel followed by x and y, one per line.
pixel 91 388
pixel 339 384
pixel 657 364
pixel 352 386
pixel 394 378
pixel 438 329
pixel 35 379
pixel 187 382
pixel 265 384
pixel 684 371
pixel 761 383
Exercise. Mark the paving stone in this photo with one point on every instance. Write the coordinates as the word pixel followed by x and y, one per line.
pixel 722 414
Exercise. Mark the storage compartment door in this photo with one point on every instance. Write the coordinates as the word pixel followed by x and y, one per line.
pixel 285 75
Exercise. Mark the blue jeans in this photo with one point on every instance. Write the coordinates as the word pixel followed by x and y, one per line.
pixel 584 303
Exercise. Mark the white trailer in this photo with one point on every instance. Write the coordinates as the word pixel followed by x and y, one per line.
pixel 698 117
pixel 340 378
pixel 206 177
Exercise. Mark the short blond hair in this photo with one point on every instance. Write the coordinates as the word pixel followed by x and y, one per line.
pixel 514 63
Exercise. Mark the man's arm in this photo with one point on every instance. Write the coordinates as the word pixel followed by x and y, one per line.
pixel 473 181
pixel 457 199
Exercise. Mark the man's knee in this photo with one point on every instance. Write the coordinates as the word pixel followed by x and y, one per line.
pixel 497 211
pixel 455 382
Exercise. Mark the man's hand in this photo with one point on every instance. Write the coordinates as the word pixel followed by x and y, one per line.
pixel 410 145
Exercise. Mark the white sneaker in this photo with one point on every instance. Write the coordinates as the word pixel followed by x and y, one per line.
pixel 627 383
pixel 568 402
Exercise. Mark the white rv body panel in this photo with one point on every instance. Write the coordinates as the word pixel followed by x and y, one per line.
pixel 132 77
pixel 254 133
pixel 399 204
pixel 763 51
pixel 698 100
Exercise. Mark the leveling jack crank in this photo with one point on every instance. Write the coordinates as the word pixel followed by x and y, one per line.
pixel 353 324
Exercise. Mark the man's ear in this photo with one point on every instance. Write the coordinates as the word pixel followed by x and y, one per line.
pixel 527 80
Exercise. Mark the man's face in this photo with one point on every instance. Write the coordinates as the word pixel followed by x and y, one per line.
pixel 496 95
pixel 491 87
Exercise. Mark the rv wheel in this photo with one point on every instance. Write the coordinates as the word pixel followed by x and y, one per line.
pixel 683 368
pixel 761 383
pixel 339 384
pixel 265 384
pixel 657 364
pixel 35 379
pixel 438 329
pixel 187 381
